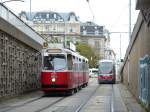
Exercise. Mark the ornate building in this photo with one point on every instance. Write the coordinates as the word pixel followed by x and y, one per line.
pixel 93 35
pixel 54 27
pixel 65 27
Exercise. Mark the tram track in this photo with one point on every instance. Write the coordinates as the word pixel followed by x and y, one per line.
pixel 31 101
pixel 50 105
pixel 102 99
pixel 112 100
pixel 86 101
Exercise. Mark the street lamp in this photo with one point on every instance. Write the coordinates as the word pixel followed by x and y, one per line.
pixel 10 1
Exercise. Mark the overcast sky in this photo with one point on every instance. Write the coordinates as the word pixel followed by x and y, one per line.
pixel 113 14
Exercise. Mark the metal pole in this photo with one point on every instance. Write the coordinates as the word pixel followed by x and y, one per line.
pixel 129 20
pixel 64 34
pixel 30 9
pixel 120 47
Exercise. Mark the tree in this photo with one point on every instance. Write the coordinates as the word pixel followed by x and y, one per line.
pixel 89 53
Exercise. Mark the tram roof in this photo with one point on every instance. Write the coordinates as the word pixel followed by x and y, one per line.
pixel 63 51
pixel 76 54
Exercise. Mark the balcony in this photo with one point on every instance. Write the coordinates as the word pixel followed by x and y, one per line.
pixel 142 4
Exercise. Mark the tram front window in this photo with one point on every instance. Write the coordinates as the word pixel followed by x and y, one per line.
pixel 54 62
pixel 106 68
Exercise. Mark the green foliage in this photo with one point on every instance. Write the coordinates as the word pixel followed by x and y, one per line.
pixel 88 52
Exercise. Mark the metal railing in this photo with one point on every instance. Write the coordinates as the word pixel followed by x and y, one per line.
pixel 14 20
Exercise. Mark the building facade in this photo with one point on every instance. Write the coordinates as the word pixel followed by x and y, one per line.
pixel 54 27
pixel 93 35
pixel 65 27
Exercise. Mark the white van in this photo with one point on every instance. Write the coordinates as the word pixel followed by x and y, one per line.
pixel 93 72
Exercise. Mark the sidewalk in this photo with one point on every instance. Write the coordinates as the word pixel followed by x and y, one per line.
pixel 19 100
pixel 130 102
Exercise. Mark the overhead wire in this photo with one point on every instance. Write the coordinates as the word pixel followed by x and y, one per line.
pixel 93 17
pixel 119 16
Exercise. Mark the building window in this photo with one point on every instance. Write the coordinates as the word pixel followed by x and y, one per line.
pixel 97 45
pixel 40 16
pixel 46 28
pixel 84 32
pixel 96 32
pixel 71 30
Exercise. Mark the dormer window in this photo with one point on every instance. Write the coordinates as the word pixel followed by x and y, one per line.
pixel 72 18
pixel 40 16
pixel 47 16
pixel 84 32
pixel 54 16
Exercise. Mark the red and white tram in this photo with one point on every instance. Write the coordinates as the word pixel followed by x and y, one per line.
pixel 107 71
pixel 63 71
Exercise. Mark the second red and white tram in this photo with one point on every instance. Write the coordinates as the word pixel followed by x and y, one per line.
pixel 63 71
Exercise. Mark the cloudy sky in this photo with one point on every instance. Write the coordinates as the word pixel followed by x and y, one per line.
pixel 113 14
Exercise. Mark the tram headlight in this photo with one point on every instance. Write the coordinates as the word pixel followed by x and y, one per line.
pixel 53 79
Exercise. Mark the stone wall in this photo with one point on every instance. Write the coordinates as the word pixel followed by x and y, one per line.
pixel 20 66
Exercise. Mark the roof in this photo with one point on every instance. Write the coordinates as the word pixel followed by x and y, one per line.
pixel 48 15
pixel 91 28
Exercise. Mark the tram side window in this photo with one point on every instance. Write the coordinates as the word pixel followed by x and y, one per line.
pixel 75 64
pixel 70 63
pixel 80 65
pixel 48 63
pixel 84 65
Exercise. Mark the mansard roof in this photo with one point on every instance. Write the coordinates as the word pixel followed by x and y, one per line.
pixel 66 16
pixel 48 15
pixel 91 27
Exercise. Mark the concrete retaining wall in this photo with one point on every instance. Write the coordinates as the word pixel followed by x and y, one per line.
pixel 139 47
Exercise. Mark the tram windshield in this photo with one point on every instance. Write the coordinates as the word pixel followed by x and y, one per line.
pixel 54 62
pixel 105 67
